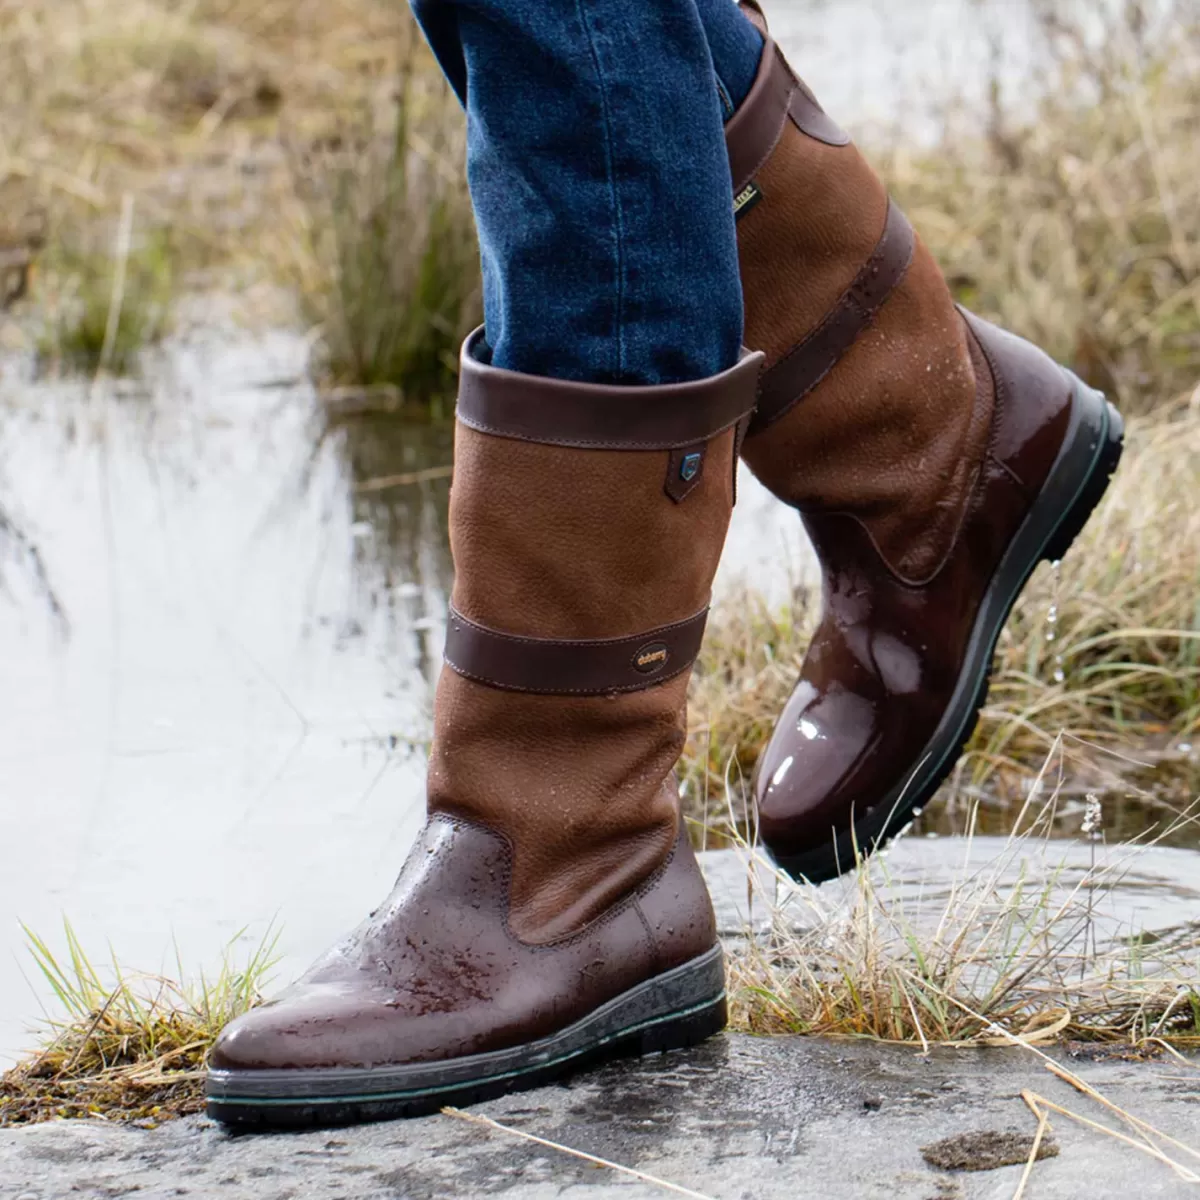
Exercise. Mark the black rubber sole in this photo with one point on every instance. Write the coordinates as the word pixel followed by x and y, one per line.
pixel 1079 478
pixel 669 1012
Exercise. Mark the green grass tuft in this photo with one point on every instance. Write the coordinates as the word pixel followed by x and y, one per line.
pixel 126 1044
pixel 108 307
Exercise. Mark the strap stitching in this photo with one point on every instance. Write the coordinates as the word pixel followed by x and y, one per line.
pixel 599 643
pixel 563 691
pixel 584 444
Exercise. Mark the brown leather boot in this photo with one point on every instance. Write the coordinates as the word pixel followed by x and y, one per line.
pixel 552 912
pixel 934 460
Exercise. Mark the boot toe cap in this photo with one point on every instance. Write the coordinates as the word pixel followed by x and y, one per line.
pixel 805 776
pixel 308 1029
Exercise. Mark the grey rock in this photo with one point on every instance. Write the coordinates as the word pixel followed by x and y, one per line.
pixel 738 1118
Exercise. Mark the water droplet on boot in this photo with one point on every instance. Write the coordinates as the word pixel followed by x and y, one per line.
pixel 1059 674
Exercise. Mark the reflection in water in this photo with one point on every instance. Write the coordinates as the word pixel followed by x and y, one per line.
pixel 217 657
pixel 20 557
pixel 402 548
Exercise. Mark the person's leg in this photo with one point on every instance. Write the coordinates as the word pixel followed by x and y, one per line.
pixel 736 47
pixel 553 910
pixel 733 40
pixel 600 184
pixel 933 458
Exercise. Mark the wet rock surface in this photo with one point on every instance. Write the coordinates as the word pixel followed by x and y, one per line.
pixel 736 1119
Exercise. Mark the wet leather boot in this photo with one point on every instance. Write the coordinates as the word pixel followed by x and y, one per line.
pixel 933 458
pixel 552 912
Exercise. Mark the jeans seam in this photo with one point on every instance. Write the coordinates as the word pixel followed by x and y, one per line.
pixel 614 189
pixel 727 108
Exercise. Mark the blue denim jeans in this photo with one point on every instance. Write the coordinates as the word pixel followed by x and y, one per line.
pixel 597 167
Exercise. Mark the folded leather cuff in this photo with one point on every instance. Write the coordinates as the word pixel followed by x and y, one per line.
pixel 597 416
pixel 776 95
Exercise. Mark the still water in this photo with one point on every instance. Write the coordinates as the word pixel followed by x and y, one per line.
pixel 218 648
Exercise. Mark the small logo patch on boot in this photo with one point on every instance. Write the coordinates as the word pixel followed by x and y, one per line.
pixel 652 658
pixel 685 468
pixel 746 199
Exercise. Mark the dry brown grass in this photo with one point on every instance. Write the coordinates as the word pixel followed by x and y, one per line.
pixel 247 136
pixel 1007 952
pixel 386 264
pixel 1078 226
pixel 100 98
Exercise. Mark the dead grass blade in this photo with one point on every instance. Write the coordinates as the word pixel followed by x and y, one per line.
pixel 1039 1105
pixel 382 483
pixel 631 1172
pixel 1043 1120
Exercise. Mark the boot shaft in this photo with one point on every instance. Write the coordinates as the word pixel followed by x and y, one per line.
pixel 586 524
pixel 871 403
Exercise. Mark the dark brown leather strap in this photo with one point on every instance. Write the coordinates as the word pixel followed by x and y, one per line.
pixel 599 416
pixel 809 117
pixel 572 668
pixel 776 94
pixel 753 12
pixel 798 372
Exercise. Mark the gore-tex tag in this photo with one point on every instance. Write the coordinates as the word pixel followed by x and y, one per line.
pixel 746 199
